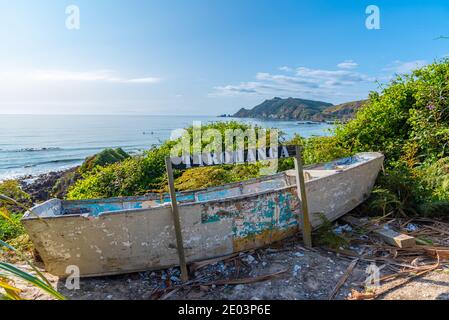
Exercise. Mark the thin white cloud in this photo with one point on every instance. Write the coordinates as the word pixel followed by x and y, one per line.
pixel 54 75
pixel 402 67
pixel 347 64
pixel 301 82
pixel 142 80
pixel 286 69
pixel 343 83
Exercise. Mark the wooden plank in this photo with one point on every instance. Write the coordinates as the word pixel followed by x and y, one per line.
pixel 301 189
pixel 395 238
pixel 389 236
pixel 442 253
pixel 176 221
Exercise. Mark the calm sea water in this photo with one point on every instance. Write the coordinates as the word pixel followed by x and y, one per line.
pixel 31 144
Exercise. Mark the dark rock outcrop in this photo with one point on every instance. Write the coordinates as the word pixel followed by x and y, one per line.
pixel 49 185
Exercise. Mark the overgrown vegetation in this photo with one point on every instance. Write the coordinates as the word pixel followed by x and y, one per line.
pixel 408 121
pixel 104 158
pixel 10 229
pixel 9 272
pixel 146 173
pixel 10 212
pixel 214 176
pixel 326 236
pixel 132 176
pixel 11 189
pixel 315 150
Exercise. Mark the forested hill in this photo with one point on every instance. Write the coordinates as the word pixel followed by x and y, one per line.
pixel 300 109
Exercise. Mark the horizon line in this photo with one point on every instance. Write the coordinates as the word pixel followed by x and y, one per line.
pixel 108 114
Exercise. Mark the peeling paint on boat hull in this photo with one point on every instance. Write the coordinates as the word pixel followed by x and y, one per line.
pixel 117 236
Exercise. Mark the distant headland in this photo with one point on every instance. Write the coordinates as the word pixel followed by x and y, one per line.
pixel 300 109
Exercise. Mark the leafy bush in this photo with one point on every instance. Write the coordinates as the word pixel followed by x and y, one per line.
pixel 434 209
pixel 12 189
pixel 9 273
pixel 326 236
pixel 410 114
pixel 315 150
pixel 206 177
pixel 436 178
pixel 133 176
pixel 10 229
pixel 408 121
pixel 142 174
pixel 104 158
pixel 63 184
pixel 11 213
pixel 70 177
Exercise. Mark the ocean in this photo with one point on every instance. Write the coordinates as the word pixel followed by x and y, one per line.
pixel 36 144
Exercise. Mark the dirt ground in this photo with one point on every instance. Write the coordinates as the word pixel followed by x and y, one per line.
pixel 299 274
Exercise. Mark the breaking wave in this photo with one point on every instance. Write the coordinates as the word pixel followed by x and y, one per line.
pixel 32 149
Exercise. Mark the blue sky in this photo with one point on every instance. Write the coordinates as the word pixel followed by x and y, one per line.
pixel 206 57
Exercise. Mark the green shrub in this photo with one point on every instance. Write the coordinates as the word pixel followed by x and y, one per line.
pixel 142 174
pixel 10 230
pixel 104 158
pixel 206 177
pixel 436 178
pixel 315 150
pixel 10 215
pixel 133 176
pixel 326 236
pixel 434 209
pixel 62 186
pixel 408 121
pixel 12 189
pixel 412 109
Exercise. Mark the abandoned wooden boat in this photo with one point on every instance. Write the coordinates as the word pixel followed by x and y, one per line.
pixel 122 235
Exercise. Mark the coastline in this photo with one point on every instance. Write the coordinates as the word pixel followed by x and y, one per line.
pixel 68 140
pixel 54 180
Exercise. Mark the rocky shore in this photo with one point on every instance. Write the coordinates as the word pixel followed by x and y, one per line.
pixel 56 184
pixel 49 185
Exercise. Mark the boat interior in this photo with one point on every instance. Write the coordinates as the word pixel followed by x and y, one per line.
pixel 228 191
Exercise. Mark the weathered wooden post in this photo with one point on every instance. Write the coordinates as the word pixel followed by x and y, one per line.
pixel 176 220
pixel 301 188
